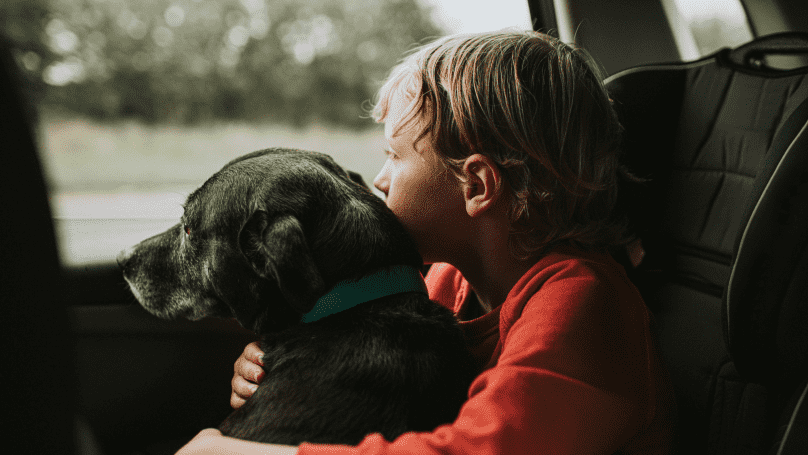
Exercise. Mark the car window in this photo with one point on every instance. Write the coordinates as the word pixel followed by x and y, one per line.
pixel 137 103
pixel 701 27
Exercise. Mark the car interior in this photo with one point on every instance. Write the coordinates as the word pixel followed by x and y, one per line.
pixel 721 145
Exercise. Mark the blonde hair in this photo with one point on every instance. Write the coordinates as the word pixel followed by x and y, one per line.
pixel 538 108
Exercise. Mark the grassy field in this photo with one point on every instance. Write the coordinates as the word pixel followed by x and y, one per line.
pixel 114 185
pixel 85 156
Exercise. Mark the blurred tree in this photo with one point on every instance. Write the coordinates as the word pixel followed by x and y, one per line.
pixel 22 22
pixel 188 61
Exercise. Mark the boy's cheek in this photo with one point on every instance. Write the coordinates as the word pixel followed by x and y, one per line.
pixel 395 207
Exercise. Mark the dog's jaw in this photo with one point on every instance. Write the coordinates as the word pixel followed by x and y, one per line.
pixel 178 304
pixel 269 312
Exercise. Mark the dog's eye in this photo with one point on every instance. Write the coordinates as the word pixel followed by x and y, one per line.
pixel 187 229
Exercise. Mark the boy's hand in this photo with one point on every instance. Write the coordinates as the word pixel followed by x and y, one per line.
pixel 248 374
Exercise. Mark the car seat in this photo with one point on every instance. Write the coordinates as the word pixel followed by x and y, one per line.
pixel 722 143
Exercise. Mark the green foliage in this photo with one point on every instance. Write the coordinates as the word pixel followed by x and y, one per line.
pixel 192 61
pixel 22 22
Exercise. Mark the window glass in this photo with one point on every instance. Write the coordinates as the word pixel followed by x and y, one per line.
pixel 701 27
pixel 139 102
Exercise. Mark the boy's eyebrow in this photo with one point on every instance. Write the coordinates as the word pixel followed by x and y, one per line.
pixel 393 144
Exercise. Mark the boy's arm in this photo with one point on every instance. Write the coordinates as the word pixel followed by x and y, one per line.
pixel 211 441
pixel 569 380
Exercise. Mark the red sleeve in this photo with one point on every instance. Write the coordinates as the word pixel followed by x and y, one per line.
pixel 446 286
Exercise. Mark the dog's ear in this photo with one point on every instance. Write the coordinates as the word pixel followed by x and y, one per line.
pixel 277 249
pixel 357 178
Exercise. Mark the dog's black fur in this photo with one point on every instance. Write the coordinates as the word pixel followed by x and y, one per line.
pixel 269 234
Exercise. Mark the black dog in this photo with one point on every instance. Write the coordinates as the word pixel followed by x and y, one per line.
pixel 280 238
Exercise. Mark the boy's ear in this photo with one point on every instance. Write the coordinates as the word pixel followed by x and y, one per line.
pixel 277 250
pixel 483 184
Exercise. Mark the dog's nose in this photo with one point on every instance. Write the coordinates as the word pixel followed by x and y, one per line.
pixel 124 256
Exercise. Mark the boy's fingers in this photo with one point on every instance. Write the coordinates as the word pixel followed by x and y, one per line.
pixel 253 353
pixel 248 370
pixel 247 374
pixel 236 401
pixel 242 389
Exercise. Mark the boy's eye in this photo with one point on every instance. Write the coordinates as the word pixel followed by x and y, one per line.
pixel 390 153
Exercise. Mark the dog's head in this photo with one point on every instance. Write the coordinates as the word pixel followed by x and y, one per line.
pixel 263 239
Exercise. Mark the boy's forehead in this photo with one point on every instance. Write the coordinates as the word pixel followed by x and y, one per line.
pixel 402 118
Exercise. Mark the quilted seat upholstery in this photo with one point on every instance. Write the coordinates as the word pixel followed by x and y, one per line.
pixel 723 217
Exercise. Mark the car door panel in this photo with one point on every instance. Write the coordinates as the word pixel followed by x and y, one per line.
pixel 141 379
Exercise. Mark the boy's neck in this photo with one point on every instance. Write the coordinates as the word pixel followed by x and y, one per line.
pixel 492 271
pixel 472 308
pixel 482 254
pixel 492 287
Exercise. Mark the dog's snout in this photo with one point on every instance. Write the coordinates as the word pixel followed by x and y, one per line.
pixel 124 256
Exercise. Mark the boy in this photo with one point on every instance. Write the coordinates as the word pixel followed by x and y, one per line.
pixel 503 165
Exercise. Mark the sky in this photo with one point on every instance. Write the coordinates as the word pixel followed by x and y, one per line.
pixel 465 16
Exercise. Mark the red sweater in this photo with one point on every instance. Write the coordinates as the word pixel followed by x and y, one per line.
pixel 570 366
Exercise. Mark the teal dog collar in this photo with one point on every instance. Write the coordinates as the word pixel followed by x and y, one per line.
pixel 348 294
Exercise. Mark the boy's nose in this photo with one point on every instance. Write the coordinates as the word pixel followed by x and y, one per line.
pixel 381 182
